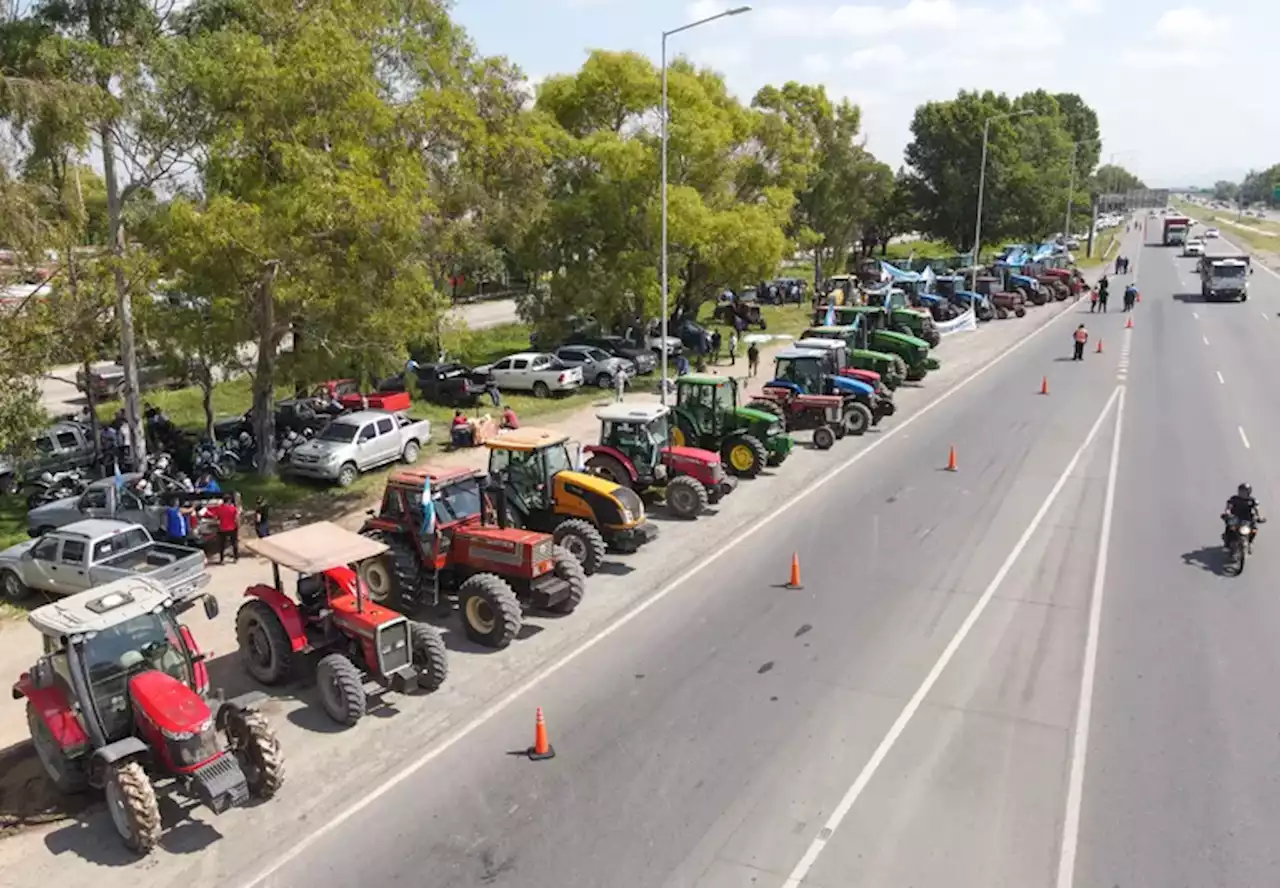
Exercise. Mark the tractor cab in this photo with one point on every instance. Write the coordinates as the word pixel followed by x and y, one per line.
pixel 802 368
pixel 946 286
pixel 527 461
pixel 707 416
pixel 639 433
pixel 706 402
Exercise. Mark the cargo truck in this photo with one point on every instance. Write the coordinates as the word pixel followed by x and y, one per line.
pixel 1175 230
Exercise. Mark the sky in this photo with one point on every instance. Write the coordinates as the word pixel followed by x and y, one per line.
pixel 1179 85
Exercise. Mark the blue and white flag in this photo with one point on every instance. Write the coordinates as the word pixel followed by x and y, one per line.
pixel 830 320
pixel 119 478
pixel 428 509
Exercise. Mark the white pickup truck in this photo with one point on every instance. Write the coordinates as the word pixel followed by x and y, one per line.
pixel 91 553
pixel 543 374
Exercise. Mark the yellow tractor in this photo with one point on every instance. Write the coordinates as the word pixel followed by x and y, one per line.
pixel 543 490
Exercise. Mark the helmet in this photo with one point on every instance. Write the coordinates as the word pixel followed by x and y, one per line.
pixel 1244 490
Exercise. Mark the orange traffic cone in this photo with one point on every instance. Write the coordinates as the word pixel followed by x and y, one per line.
pixel 540 749
pixel 1128 325
pixel 1044 385
pixel 1099 346
pixel 951 459
pixel 794 581
pixel 1137 297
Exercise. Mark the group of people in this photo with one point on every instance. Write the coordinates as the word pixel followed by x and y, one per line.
pixel 1098 296
pixel 1122 265
pixel 182 522
pixel 462 430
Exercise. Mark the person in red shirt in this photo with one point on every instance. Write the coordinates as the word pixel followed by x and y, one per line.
pixel 228 515
pixel 509 419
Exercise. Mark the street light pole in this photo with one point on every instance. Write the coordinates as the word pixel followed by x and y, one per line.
pixel 982 181
pixel 1071 193
pixel 666 312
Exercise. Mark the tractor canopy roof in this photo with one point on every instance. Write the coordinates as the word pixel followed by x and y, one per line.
pixel 829 330
pixel 525 438
pixel 632 413
pixel 702 379
pixel 794 354
pixel 316 548
pixel 438 475
pixel 100 608
pixel 820 344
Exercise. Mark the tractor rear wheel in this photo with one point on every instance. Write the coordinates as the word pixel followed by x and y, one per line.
pixel 131 799
pixel 609 469
pixel 392 577
pixel 857 419
pixel 341 689
pixel 430 656
pixel 899 367
pixel 583 541
pixel 567 568
pixel 265 649
pixel 254 745
pixel 824 437
pixel 491 613
pixel 67 774
pixel 768 406
pixel 744 455
pixel 686 497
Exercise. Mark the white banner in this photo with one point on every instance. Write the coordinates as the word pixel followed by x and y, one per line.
pixel 963 324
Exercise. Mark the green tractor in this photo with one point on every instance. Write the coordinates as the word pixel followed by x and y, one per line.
pixel 875 324
pixel 892 369
pixel 707 415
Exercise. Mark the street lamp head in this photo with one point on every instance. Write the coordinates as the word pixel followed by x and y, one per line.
pixel 738 10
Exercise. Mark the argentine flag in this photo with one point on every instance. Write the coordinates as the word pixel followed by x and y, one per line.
pixel 428 509
pixel 830 320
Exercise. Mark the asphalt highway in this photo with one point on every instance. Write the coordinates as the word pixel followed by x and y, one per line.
pixel 909 717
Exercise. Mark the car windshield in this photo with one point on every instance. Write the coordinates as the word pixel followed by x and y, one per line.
pixel 460 500
pixel 597 354
pixel 1228 271
pixel 340 432
pixel 142 644
pixel 558 459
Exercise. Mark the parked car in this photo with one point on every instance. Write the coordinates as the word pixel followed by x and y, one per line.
pixel 108 381
pixel 358 442
pixel 122 502
pixel 450 384
pixel 59 448
pixel 93 553
pixel 538 372
pixel 597 365
pixel 637 353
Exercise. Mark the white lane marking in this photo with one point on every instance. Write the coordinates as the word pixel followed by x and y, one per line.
pixel 1265 316
pixel 917 699
pixel 1084 710
pixel 1206 339
pixel 1195 315
pixel 466 729
pixel 1221 381
pixel 1244 437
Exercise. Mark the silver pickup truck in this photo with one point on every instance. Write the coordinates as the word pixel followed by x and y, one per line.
pixel 90 553
pixel 358 442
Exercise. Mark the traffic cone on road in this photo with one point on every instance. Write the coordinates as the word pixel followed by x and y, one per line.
pixel 794 581
pixel 951 459
pixel 1044 385
pixel 1128 325
pixel 1099 346
pixel 541 749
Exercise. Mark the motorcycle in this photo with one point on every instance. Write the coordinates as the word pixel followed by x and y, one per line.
pixel 218 460
pixel 1238 539
pixel 54 486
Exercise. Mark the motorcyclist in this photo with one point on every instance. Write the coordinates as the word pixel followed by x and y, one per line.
pixel 1241 508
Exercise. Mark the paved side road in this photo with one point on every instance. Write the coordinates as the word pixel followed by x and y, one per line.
pixel 485 685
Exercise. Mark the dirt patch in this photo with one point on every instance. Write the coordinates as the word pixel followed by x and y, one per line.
pixel 27 798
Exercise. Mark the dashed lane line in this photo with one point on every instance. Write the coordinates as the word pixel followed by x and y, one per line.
pixel 1244 437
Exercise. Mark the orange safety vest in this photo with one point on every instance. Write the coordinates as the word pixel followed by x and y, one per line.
pixel 1082 336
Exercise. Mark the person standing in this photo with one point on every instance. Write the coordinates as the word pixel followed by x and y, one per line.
pixel 1130 296
pixel 262 518
pixel 1079 339
pixel 716 343
pixel 227 514
pixel 753 359
pixel 175 522
pixel 619 385
pixel 1102 294
pixel 1093 300
pixel 733 348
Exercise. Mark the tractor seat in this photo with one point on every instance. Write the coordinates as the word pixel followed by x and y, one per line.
pixel 311 596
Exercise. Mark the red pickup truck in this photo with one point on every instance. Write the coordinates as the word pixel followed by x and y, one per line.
pixel 347 393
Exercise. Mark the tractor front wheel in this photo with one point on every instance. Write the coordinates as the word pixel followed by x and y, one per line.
pixel 745 456
pixel 131 799
pixel 67 774
pixel 568 569
pixel 264 645
pixel 686 497
pixel 430 657
pixel 857 419
pixel 341 689
pixel 583 541
pixel 254 745
pixel 824 437
pixel 491 613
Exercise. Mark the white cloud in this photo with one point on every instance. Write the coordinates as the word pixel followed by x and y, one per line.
pixel 1084 7
pixel 815 63
pixel 875 57
pixel 1159 59
pixel 1189 23
pixel 916 15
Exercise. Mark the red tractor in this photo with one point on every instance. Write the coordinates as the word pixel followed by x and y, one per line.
pixel 120 701
pixel 359 641
pixel 634 452
pixel 493 571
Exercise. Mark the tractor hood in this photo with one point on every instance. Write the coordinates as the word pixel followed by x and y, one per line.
pixel 752 415
pixel 172 706
pixel 872 355
pixel 904 338
pixel 693 455
pixel 846 385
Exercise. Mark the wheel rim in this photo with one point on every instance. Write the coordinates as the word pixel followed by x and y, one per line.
pixel 741 457
pixel 12 587
pixel 575 545
pixel 480 614
pixel 378 579
pixel 238 740
pixel 678 437
pixel 682 499
pixel 119 814
pixel 259 646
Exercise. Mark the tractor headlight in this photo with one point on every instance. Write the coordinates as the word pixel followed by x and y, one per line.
pixel 543 551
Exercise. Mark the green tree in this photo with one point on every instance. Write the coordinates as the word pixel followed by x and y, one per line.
pixel 1226 191
pixel 1115 179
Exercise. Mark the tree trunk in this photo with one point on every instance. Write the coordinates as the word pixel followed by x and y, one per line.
pixel 264 377
pixel 92 406
pixel 124 299
pixel 206 398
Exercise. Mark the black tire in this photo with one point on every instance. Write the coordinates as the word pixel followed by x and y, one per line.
pixel 609 468
pixel 583 541
pixel 824 437
pixel 541 389
pixel 131 801
pixel 257 749
pixel 686 497
pixel 430 656
pixel 604 381
pixel 857 419
pixel 412 450
pixel 1019 312
pixel 840 430
pixel 903 329
pixel 900 367
pixel 768 406
pixel 746 469
pixel 348 474
pixel 1001 314
pixel 265 649
pixel 12 589
pixel 393 577
pixel 935 339
pixel 491 613
pixel 69 775
pixel 341 689
pixel 223 471
pixel 567 568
